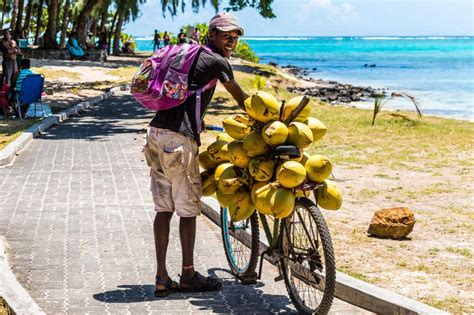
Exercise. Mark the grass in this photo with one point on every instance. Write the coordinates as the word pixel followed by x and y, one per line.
pixel 53 75
pixel 452 303
pixel 466 252
pixel 12 129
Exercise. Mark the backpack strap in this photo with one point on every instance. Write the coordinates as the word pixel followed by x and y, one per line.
pixel 197 115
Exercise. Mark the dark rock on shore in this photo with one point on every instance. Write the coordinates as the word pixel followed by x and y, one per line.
pixel 334 92
pixel 331 92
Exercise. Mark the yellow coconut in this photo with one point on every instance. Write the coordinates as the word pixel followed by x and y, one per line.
pixel 206 162
pixel 261 168
pixel 218 151
pixel 224 137
pixel 235 129
pixel 299 135
pixel 254 144
pixel 302 193
pixel 224 199
pixel 329 196
pixel 244 119
pixel 291 174
pixel 254 188
pixel 263 107
pixel 291 105
pixel 208 185
pixel 317 128
pixel 275 133
pixel 262 198
pixel 220 169
pixel 282 202
pixel 238 155
pixel 228 182
pixel 242 206
pixel 318 168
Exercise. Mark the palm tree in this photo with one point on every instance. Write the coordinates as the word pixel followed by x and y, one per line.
pixel 127 10
pixel 64 23
pixel 81 26
pixel 29 10
pixel 49 37
pixel 19 19
pixel 38 20
pixel 14 13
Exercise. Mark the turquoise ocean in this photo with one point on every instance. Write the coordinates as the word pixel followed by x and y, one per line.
pixel 437 70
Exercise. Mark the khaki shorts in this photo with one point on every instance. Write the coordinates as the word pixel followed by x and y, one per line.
pixel 175 180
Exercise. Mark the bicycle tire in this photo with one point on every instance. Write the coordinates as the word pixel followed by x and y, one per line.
pixel 311 272
pixel 242 265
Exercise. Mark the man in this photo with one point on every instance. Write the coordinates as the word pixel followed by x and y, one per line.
pixel 9 51
pixel 156 41
pixel 25 70
pixel 172 152
pixel 181 37
pixel 166 39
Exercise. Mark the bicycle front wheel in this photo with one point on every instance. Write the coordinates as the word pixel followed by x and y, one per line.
pixel 307 262
pixel 242 255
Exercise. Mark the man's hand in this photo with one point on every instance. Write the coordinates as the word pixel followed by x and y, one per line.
pixel 237 93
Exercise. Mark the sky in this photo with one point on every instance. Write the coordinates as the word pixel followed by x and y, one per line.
pixel 328 18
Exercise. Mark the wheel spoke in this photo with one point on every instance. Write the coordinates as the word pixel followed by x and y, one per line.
pixel 304 260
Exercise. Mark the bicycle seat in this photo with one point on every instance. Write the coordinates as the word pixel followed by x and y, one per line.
pixel 286 152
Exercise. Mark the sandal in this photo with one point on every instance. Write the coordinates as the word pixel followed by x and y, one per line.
pixel 198 283
pixel 169 287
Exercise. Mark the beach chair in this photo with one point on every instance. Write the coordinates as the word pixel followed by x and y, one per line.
pixel 31 90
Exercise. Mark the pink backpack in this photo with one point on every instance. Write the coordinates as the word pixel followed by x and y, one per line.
pixel 162 81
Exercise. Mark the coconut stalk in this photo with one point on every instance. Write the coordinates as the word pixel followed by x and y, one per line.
pixel 297 111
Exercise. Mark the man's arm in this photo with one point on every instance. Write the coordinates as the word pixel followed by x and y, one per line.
pixel 236 91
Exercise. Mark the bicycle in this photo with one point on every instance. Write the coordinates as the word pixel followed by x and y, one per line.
pixel 299 244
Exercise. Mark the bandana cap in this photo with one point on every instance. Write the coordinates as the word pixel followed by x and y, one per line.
pixel 225 22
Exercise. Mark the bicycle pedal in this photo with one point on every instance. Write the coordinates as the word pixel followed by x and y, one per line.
pixel 278 278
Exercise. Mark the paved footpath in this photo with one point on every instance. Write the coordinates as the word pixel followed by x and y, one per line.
pixel 77 216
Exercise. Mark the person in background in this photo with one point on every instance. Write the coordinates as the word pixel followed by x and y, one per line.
pixel 195 36
pixel 73 47
pixel 20 76
pixel 156 41
pixel 166 39
pixel 102 44
pixel 90 41
pixel 181 37
pixel 10 51
pixel 171 151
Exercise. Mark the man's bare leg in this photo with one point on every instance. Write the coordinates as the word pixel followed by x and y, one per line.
pixel 187 234
pixel 161 229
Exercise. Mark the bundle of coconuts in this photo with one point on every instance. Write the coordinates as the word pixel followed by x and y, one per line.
pixel 241 168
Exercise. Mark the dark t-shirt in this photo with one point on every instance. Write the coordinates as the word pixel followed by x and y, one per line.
pixel 181 119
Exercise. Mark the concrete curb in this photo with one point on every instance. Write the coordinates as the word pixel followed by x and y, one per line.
pixel 8 154
pixel 348 289
pixel 12 292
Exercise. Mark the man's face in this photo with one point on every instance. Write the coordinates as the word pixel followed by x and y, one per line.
pixel 224 42
pixel 6 35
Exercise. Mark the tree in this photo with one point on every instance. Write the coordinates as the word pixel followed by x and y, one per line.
pixel 64 23
pixel 19 19
pixel 127 10
pixel 49 37
pixel 264 7
pixel 38 20
pixel 81 26
pixel 29 11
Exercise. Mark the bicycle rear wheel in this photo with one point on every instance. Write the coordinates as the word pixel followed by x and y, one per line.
pixel 307 262
pixel 242 256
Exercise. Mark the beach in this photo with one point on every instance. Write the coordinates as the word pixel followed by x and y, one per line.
pixel 423 164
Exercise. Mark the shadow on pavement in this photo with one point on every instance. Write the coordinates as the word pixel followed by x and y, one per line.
pixel 233 296
pixel 116 116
